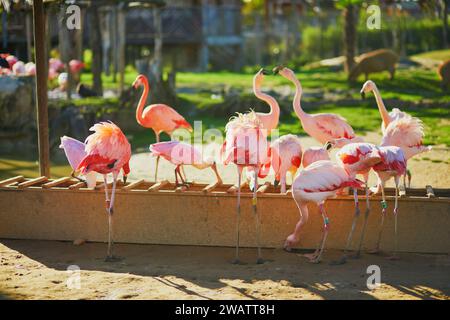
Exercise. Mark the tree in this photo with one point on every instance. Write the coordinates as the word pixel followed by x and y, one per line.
pixel 96 47
pixel 349 9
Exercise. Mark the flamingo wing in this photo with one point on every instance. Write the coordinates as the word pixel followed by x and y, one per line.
pixel 74 150
pixel 334 126
pixel 176 152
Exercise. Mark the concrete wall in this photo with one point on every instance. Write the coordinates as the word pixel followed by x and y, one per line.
pixel 168 217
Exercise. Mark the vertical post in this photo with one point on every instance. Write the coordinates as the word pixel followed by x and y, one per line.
pixel 121 39
pixel 41 87
pixel 29 35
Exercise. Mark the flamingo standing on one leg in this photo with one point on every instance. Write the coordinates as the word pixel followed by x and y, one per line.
pixel 323 127
pixel 406 132
pixel 317 183
pixel 180 153
pixel 392 164
pixel 285 155
pixel 158 117
pixel 358 158
pixel 107 151
pixel 314 154
pixel 75 152
pixel 246 146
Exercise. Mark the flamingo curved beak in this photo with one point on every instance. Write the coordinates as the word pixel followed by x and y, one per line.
pixel 124 178
pixel 264 72
pixel 363 95
pixel 276 183
pixel 328 145
pixel 277 69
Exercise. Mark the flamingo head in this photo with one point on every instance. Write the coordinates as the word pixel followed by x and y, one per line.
pixel 126 171
pixel 140 81
pixel 290 242
pixel 259 76
pixel 368 86
pixel 284 71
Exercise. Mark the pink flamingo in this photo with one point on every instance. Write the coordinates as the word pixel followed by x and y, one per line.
pixel 323 127
pixel 75 152
pixel 269 121
pixel 180 153
pixel 317 183
pixel 107 151
pixel 76 66
pixel 399 128
pixel 314 154
pixel 358 158
pixel 30 69
pixel 158 117
pixel 246 146
pixel 392 164
pixel 18 68
pixel 285 156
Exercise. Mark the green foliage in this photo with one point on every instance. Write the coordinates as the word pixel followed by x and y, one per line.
pixel 342 4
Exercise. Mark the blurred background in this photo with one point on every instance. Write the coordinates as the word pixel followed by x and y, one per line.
pixel 200 57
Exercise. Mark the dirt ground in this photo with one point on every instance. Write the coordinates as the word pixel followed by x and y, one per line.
pixel 429 168
pixel 38 270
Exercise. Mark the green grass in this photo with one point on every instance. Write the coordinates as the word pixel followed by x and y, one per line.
pixel 438 55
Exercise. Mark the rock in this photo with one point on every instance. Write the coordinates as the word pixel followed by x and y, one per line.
pixel 79 242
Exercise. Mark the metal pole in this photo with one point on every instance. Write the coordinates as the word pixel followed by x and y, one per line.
pixel 41 87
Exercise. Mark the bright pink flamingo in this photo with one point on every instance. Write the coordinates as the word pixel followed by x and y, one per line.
pixel 393 164
pixel 285 156
pixel 75 152
pixel 317 183
pixel 314 154
pixel 76 66
pixel 323 127
pixel 358 158
pixel 158 117
pixel 12 60
pixel 269 121
pixel 246 146
pixel 180 153
pixel 107 151
pixel 399 128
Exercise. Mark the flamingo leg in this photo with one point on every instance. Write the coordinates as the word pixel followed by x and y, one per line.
pixel 110 256
pixel 343 259
pixel 316 258
pixel 238 215
pixel 366 216
pixel 157 158
pixel 283 183
pixel 383 214
pixel 394 255
pixel 257 218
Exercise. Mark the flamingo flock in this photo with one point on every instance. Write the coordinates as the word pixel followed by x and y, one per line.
pixel 316 178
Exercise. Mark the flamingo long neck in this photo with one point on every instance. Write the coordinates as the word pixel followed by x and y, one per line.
pixel 298 95
pixel 381 107
pixel 142 102
pixel 274 113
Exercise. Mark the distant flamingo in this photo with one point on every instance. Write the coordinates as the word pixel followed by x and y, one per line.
pixel 314 154
pixel 246 146
pixel 358 158
pixel 75 152
pixel 317 183
pixel 30 69
pixel 285 156
pixel 269 121
pixel 180 153
pixel 107 151
pixel 393 164
pixel 18 68
pixel 158 117
pixel 323 127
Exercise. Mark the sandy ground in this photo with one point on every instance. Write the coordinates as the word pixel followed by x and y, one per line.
pixel 430 168
pixel 38 270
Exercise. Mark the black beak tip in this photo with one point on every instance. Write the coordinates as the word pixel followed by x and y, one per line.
pixel 363 95
pixel 328 146
pixel 276 183
pixel 265 72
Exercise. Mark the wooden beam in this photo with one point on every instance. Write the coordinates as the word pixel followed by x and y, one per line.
pixel 158 186
pixel 209 188
pixel 41 87
pixel 56 182
pixel 5 183
pixel 263 188
pixel 32 182
pixel 133 185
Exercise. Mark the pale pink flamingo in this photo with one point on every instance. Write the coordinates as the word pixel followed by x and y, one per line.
pixel 18 68
pixel 317 183
pixel 158 117
pixel 75 152
pixel 55 64
pixel 392 164
pixel 180 153
pixel 323 127
pixel 314 154
pixel 399 128
pixel 30 69
pixel 269 121
pixel 107 151
pixel 358 158
pixel 246 146
pixel 285 156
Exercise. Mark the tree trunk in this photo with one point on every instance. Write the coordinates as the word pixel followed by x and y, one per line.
pixel 444 6
pixel 96 47
pixel 349 37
